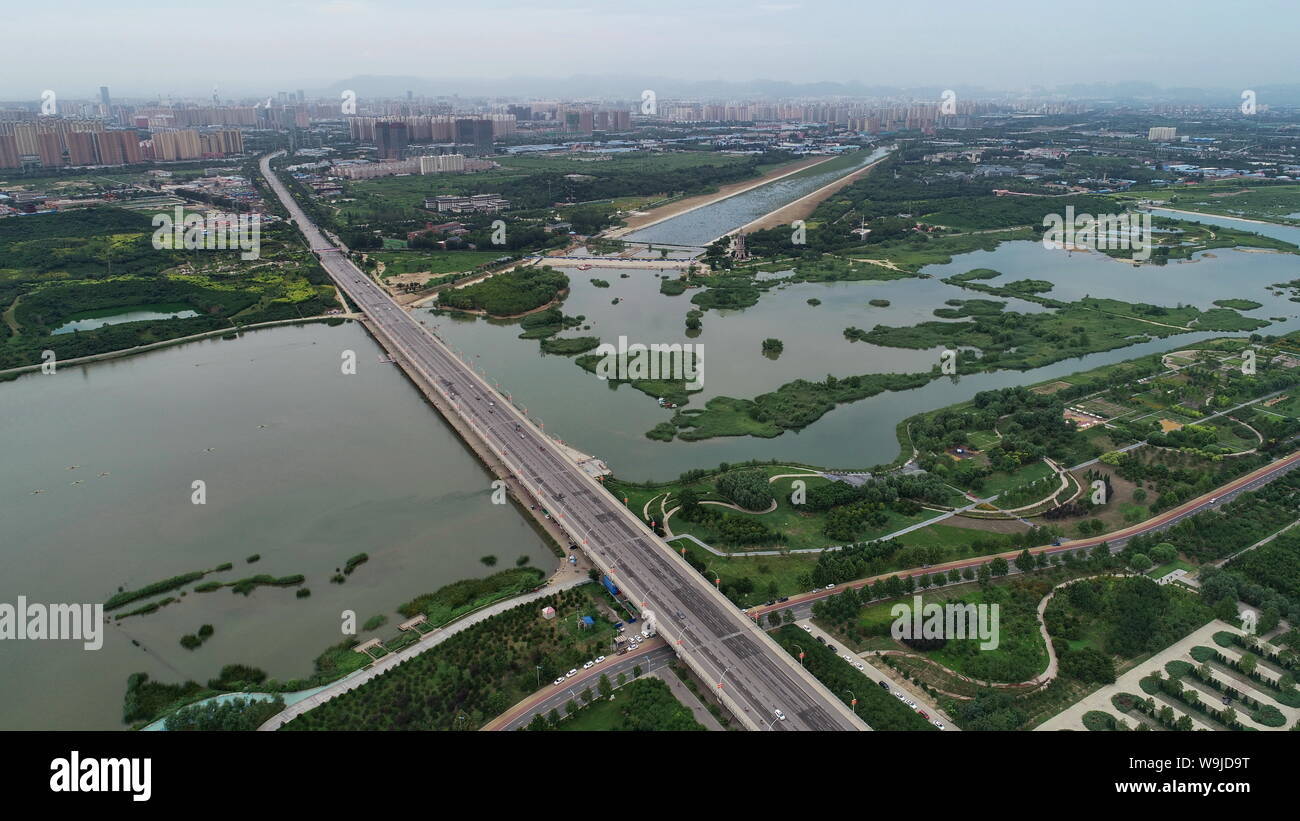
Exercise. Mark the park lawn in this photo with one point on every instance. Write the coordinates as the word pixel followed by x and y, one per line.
pixel 1020 653
pixel 1169 567
pixel 1000 482
pixel 636 496
pixel 1227 436
pixel 645 702
pixel 784 571
pixel 803 529
pixel 946 535
pixel 1288 407
pixel 982 439
pixel 432 262
pixel 597 716
pixel 1031 493
pixel 1104 438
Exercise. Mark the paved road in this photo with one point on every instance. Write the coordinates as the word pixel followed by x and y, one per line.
pixel 651 655
pixel 715 638
pixel 876 675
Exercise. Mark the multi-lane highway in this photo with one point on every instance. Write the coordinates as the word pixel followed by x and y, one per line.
pixel 754 675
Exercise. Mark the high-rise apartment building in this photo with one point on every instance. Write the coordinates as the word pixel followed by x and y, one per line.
pixel 475 133
pixel 118 147
pixel 50 149
pixel 9 151
pixel 442 164
pixel 81 148
pixel 169 146
pixel 391 139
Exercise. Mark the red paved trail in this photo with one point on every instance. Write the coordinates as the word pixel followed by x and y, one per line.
pixel 1255 477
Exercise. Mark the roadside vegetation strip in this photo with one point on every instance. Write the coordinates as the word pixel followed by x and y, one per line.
pixel 458 599
pixel 878 709
pixel 336 662
pixel 473 674
pixel 640 705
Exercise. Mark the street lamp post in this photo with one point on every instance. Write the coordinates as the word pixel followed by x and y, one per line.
pixel 723 677
pixel 853 701
pixel 800 655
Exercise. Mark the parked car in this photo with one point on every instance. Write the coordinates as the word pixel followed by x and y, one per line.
pixel 808 627
pixel 599 659
pixel 923 714
pixel 559 680
pixel 884 686
pixel 571 674
pixel 589 665
pixel 938 724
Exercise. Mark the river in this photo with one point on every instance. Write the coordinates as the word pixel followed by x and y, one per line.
pixel 611 421
pixel 307 467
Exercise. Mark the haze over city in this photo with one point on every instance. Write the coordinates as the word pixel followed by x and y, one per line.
pixel 352 378
pixel 459 47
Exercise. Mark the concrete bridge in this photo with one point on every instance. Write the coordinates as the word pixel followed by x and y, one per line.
pixel 755 677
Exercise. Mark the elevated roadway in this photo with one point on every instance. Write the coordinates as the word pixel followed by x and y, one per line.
pixel 754 675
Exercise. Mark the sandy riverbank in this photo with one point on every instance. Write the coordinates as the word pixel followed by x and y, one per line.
pixel 1221 216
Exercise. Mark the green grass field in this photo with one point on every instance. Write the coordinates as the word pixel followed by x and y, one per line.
pixel 1273 203
pixel 431 262
pixel 1000 482
pixel 643 704
pixel 1169 567
pixel 803 528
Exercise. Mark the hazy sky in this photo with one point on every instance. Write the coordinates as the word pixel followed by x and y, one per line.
pixel 143 47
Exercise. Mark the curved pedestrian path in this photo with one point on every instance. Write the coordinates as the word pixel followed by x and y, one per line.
pixel 426 642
